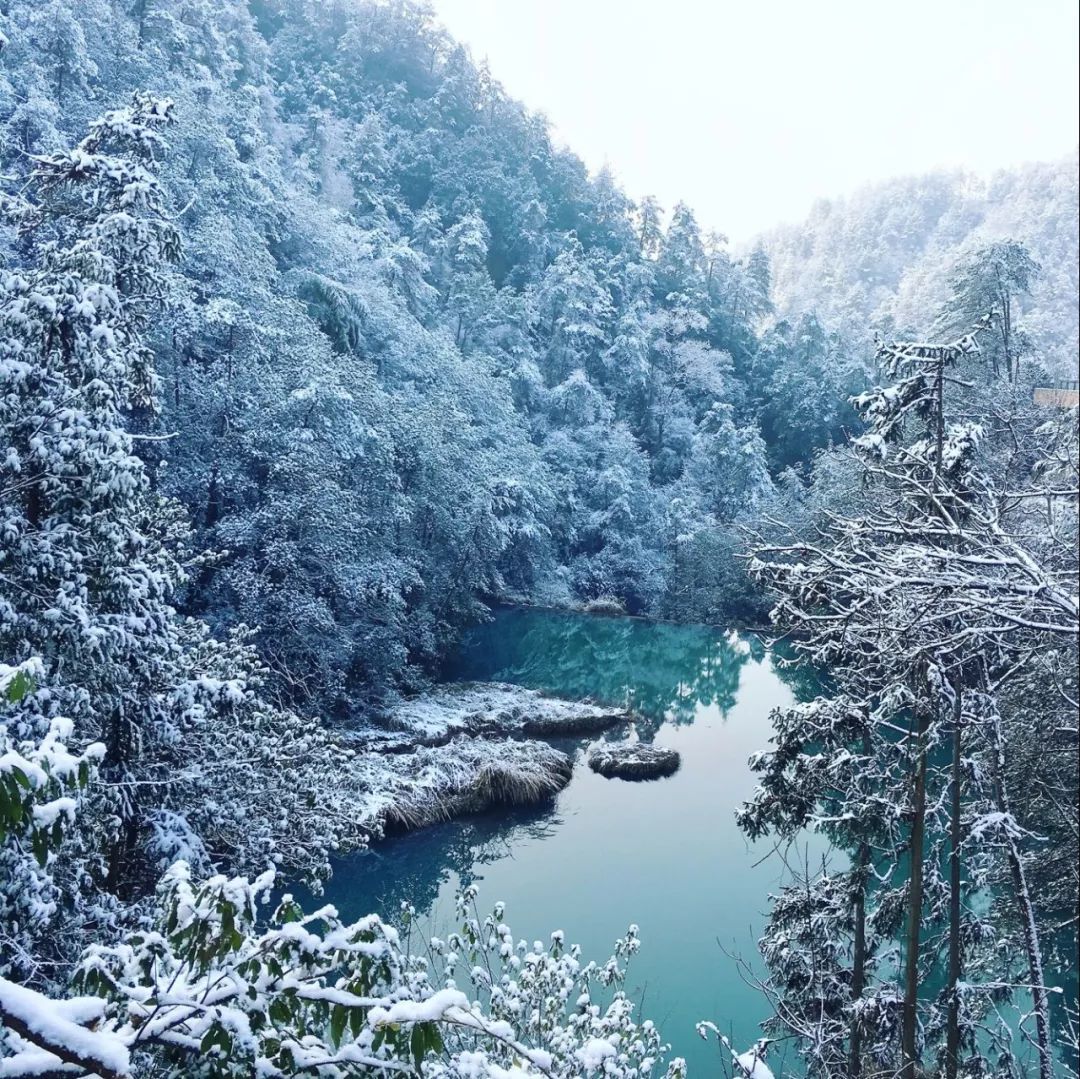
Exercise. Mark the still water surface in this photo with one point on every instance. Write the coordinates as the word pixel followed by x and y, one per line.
pixel 665 854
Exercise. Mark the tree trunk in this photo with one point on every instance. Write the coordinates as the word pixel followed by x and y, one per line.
pixel 952 1036
pixel 213 500
pixel 939 421
pixel 121 875
pixel 1040 1003
pixel 910 1023
pixel 140 13
pixel 858 962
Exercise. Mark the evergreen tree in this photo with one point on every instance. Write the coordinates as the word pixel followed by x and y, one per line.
pixel 986 290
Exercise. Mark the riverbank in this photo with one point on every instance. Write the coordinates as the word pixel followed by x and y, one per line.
pixel 758 626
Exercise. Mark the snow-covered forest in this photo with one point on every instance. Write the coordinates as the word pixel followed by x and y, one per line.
pixel 314 347
pixel 880 261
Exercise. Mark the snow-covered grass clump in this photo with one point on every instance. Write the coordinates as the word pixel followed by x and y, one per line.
pixel 633 760
pixel 470 775
pixel 464 748
pixel 610 605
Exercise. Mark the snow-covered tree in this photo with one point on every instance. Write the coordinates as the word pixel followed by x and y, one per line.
pixel 986 290
pixel 86 572
pixel 922 606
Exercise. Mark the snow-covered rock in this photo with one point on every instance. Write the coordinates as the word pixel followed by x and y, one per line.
pixel 633 760
pixel 484 708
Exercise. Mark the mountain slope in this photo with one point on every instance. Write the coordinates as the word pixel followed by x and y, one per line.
pixel 885 255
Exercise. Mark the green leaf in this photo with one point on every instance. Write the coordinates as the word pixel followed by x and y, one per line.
pixel 18 687
pixel 339 1016
pixel 40 847
pixel 435 1042
pixel 11 808
pixel 418 1044
pixel 280 1012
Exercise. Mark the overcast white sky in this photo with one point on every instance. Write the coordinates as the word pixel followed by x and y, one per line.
pixel 750 111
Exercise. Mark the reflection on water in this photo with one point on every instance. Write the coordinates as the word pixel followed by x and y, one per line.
pixel 664 672
pixel 420 867
pixel 666 854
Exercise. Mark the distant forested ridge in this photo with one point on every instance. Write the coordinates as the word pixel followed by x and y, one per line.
pixel 883 258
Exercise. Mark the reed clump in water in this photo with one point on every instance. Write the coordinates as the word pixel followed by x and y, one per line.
pixel 634 760
pixel 471 775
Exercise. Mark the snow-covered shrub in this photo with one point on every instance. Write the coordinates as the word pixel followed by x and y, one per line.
pixel 41 782
pixel 213 991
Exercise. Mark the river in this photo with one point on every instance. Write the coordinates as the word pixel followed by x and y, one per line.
pixel 665 854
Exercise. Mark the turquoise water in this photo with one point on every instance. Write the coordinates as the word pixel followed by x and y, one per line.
pixel 605 853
